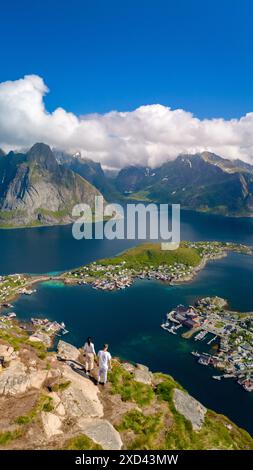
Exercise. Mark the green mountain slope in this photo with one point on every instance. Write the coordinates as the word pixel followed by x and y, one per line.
pixel 200 182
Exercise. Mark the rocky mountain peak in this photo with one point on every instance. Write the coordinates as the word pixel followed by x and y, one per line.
pixel 43 156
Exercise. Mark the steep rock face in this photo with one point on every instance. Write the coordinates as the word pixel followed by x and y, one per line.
pixel 35 189
pixel 90 171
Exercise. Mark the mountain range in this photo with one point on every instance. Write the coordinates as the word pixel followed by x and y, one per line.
pixel 41 186
pixel 36 190
pixel 204 182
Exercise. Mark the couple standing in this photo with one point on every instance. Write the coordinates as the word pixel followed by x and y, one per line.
pixel 104 359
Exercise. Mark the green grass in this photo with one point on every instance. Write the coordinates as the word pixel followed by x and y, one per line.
pixel 44 403
pixel 8 215
pixel 47 404
pixel 123 384
pixel 60 214
pixel 214 434
pixel 219 324
pixel 145 428
pixel 8 436
pixel 151 254
pixel 81 442
pixel 149 429
pixel 17 337
pixel 61 386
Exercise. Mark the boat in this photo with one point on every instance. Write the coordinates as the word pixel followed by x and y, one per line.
pixel 216 377
pixel 11 315
pixel 170 330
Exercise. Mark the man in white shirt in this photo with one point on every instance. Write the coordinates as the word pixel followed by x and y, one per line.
pixel 89 355
pixel 104 358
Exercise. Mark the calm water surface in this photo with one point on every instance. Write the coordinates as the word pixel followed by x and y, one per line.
pixel 130 320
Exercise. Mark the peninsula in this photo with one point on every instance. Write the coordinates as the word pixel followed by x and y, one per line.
pixel 145 261
pixel 149 261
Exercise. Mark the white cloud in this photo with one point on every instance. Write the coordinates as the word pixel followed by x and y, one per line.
pixel 149 135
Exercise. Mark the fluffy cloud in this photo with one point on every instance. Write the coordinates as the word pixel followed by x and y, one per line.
pixel 149 135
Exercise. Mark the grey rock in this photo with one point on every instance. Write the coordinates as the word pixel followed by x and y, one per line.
pixel 80 398
pixel 35 188
pixel 190 408
pixel 128 367
pixel 41 337
pixel 102 432
pixel 67 351
pixel 16 379
pixel 7 352
pixel 51 424
pixel 142 374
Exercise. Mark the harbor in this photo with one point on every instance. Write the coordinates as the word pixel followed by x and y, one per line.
pixel 210 321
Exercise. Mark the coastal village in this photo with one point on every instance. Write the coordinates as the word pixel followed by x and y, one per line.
pixel 48 401
pixel 110 275
pixel 120 272
pixel 231 332
pixel 13 283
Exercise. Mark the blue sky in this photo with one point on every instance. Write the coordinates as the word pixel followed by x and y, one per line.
pixel 99 55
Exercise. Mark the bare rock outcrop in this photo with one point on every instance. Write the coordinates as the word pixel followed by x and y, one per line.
pixel 67 351
pixel 102 432
pixel 17 379
pixel 190 408
pixel 7 352
pixel 142 374
pixel 41 337
pixel 51 424
pixel 80 398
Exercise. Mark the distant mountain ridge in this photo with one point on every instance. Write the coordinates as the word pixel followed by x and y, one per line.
pixel 41 186
pixel 36 190
pixel 203 182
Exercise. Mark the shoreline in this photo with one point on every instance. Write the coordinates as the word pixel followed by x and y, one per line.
pixel 91 280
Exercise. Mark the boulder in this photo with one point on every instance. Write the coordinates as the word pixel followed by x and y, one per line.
pixel 142 374
pixel 190 408
pixel 38 378
pixel 128 367
pixel 41 337
pixel 67 351
pixel 102 432
pixel 7 352
pixel 51 424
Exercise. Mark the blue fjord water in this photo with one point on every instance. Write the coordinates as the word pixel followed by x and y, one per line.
pixel 130 319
